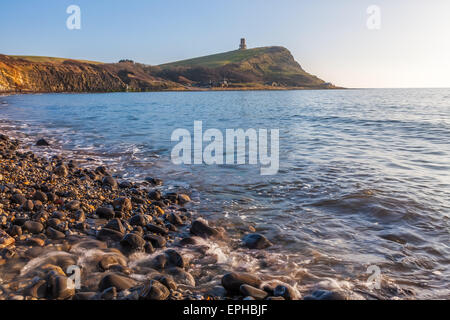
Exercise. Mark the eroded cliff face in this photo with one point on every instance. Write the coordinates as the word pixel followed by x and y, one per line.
pixel 260 68
pixel 18 75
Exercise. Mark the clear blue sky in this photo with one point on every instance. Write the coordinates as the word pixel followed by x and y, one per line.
pixel 328 38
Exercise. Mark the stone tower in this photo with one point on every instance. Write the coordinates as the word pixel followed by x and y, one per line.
pixel 242 46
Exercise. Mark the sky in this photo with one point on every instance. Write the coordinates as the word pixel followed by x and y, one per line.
pixel 329 38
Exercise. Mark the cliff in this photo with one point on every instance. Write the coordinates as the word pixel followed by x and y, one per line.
pixel 260 68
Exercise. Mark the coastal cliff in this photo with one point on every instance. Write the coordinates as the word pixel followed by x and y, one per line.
pixel 259 68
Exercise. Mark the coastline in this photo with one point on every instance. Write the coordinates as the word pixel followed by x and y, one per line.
pixel 127 237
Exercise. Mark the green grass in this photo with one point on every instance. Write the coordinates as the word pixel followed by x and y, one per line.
pixel 50 59
pixel 218 60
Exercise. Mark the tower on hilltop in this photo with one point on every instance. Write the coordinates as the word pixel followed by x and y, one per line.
pixel 243 45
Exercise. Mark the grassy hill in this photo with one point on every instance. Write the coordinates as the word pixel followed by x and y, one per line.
pixel 266 66
pixel 218 60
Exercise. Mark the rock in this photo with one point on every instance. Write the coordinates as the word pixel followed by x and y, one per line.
pixel 201 228
pixel 174 219
pixel 18 199
pixel 15 231
pixel 157 229
pixel 117 281
pixel 183 199
pixel 154 181
pixel 55 234
pixel 256 293
pixel 133 242
pixel 125 185
pixel 28 205
pixel 275 298
pixel 38 242
pixel 122 204
pixel 33 227
pixel 105 213
pixel 287 292
pixel 110 182
pixel 167 281
pixel 5 239
pixel 42 143
pixel 37 290
pixel 169 259
pixel 84 296
pixel 109 294
pixel 109 234
pixel 61 287
pixel 61 170
pixel 156 241
pixel 155 195
pixel 73 205
pixel 233 281
pixel 154 290
pixel 109 261
pixel 181 276
pixel 256 241
pixel 138 220
pixel 115 224
pixel 175 259
pixel 325 295
pixel 39 195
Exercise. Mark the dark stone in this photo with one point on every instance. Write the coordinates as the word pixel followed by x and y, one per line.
pixel 33 227
pixel 55 234
pixel 154 181
pixel 156 241
pixel 175 259
pixel 133 241
pixel 233 281
pixel 42 143
pixel 157 229
pixel 109 234
pixel 154 290
pixel 181 276
pixel 61 170
pixel 122 204
pixel 28 205
pixel 39 195
pixel 110 182
pixel 149 247
pixel 15 231
pixel 109 294
pixel 155 195
pixel 125 185
pixel 108 261
pixel 117 281
pixel 256 241
pixel 174 219
pixel 286 291
pixel 325 295
pixel 73 205
pixel 84 296
pixel 138 220
pixel 37 290
pixel 61 287
pixel 200 228
pixel 256 293
pixel 115 224
pixel 19 199
pixel 167 281
pixel 105 213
